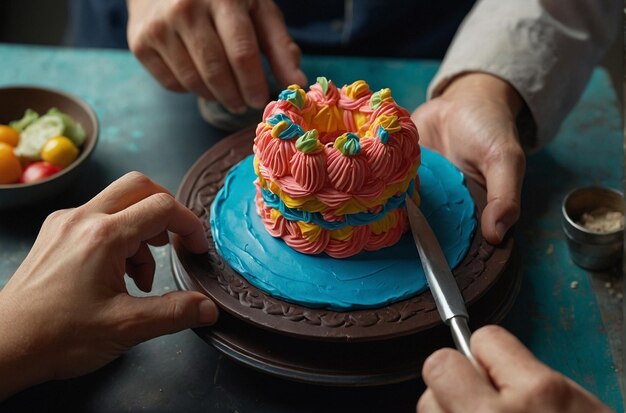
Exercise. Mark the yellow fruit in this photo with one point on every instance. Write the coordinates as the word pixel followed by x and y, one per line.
pixel 10 166
pixel 9 135
pixel 59 151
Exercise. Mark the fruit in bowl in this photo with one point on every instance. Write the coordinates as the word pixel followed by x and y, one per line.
pixel 49 164
pixel 41 146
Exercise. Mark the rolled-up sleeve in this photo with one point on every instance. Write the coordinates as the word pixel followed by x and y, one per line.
pixel 546 49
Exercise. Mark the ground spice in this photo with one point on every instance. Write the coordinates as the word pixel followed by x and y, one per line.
pixel 602 220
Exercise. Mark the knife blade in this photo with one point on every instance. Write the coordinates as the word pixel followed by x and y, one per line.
pixel 443 286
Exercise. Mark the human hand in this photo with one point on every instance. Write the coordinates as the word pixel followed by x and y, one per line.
pixel 519 382
pixel 472 123
pixel 66 310
pixel 213 47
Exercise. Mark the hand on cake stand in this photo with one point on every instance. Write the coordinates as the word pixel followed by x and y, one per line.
pixel 213 48
pixel 472 123
pixel 66 310
pixel 518 381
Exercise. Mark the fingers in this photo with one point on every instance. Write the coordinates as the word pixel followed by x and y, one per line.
pixel 158 46
pixel 181 62
pixel 140 267
pixel 428 404
pixel 455 383
pixel 210 60
pixel 122 193
pixel 238 36
pixel 158 213
pixel 504 177
pixel 507 362
pixel 144 212
pixel 143 318
pixel 282 52
pixel 154 63
pixel 208 48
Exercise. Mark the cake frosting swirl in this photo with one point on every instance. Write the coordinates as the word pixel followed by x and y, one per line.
pixel 334 167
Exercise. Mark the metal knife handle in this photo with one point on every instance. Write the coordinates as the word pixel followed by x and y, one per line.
pixel 461 336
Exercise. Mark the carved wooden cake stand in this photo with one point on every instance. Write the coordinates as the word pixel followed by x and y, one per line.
pixel 349 348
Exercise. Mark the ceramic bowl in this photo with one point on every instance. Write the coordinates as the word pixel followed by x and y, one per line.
pixel 13 103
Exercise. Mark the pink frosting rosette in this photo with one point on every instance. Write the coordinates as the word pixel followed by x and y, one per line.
pixel 343 248
pixel 299 243
pixel 275 153
pixel 347 167
pixel 308 164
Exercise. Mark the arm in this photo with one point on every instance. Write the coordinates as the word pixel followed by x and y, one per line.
pixel 66 311
pixel 545 49
pixel 213 48
pixel 511 75
pixel 518 382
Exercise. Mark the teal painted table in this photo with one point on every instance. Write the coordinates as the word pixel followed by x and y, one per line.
pixel 161 134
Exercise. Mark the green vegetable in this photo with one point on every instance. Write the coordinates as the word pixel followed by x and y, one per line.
pixel 29 117
pixel 41 129
pixel 72 129
pixel 35 136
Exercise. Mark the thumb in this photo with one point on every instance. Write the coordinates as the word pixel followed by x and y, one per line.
pixel 145 318
pixel 504 175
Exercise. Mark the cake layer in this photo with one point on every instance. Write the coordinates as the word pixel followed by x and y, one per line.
pixel 365 280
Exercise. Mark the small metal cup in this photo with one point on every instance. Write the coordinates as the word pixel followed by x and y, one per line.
pixel 592 250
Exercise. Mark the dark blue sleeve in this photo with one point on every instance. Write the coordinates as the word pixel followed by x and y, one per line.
pixel 390 28
pixel 97 23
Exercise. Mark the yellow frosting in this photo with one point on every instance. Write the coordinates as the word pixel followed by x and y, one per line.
pixel 307 203
pixel 357 89
pixel 310 232
pixel 360 119
pixel 328 119
pixel 385 223
pixel 341 234
pixel 278 128
pixel 275 214
pixel 389 122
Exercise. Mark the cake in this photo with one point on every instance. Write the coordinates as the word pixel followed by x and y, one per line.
pixel 334 167
pixel 325 223
pixel 369 296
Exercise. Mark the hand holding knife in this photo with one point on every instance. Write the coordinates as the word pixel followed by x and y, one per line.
pixel 445 291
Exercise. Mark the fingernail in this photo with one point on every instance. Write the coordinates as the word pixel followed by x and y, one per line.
pixel 501 230
pixel 207 312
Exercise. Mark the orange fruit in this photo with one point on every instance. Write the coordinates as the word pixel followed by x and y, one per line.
pixel 59 151
pixel 10 166
pixel 9 135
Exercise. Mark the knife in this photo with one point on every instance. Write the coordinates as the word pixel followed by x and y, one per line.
pixel 443 286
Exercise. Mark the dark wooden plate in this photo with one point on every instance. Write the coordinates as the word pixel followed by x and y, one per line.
pixel 361 347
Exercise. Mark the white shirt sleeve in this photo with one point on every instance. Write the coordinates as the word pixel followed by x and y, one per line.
pixel 546 49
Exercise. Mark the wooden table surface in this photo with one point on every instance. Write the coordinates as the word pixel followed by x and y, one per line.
pixel 577 331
